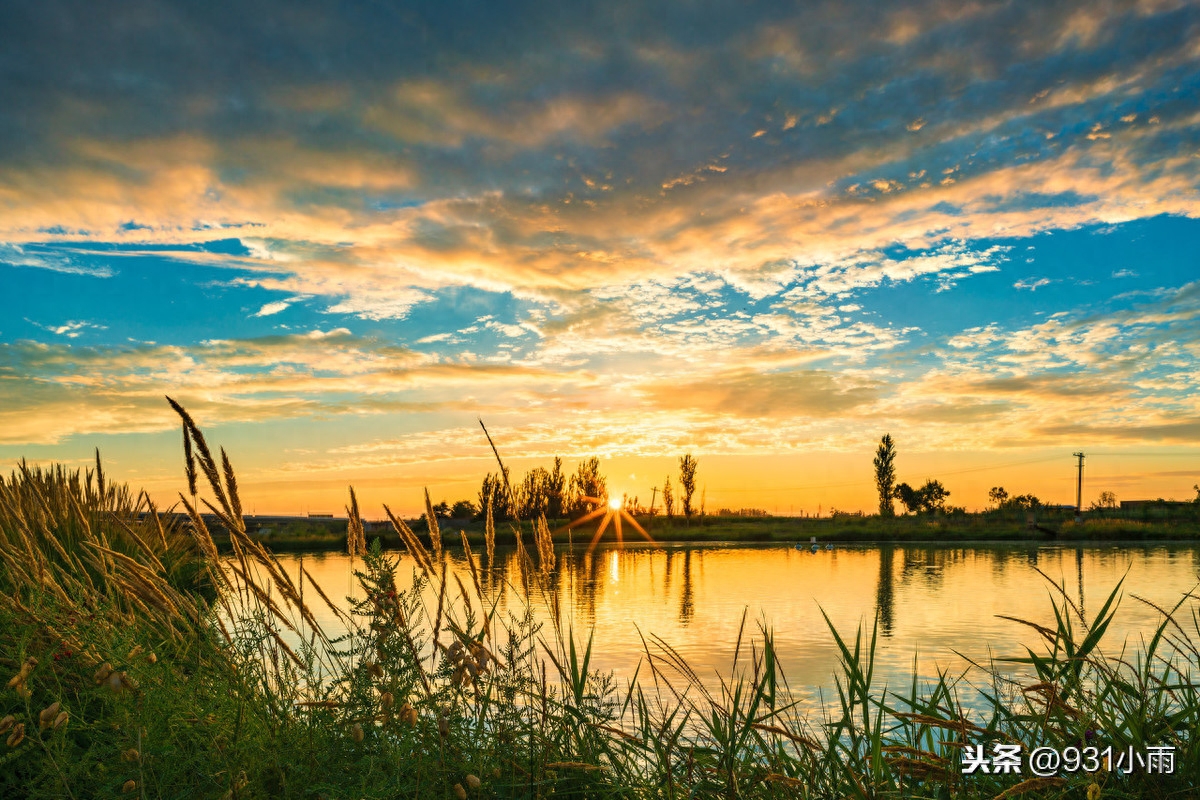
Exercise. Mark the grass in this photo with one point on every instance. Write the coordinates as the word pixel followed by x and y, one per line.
pixel 181 678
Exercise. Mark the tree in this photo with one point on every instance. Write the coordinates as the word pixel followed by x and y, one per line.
pixel 554 488
pixel 1106 502
pixel 933 496
pixel 998 495
pixel 586 482
pixel 492 490
pixel 668 498
pixel 908 496
pixel 533 495
pixel 929 498
pixel 885 474
pixel 442 510
pixel 463 509
pixel 687 479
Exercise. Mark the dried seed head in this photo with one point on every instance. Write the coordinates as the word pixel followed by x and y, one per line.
pixel 443 726
pixel 1093 792
pixel 408 715
pixel 18 735
pixel 473 782
pixel 460 792
pixel 129 755
pixel 48 714
pixel 356 731
pixel 374 669
pixel 102 672
pixel 17 680
pixel 115 682
pixel 129 786
pixel 6 723
pixel 134 653
pixel 387 699
pixel 151 658
pixel 59 721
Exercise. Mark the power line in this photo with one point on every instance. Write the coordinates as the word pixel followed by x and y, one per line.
pixel 860 483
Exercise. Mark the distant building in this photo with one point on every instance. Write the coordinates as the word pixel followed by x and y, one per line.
pixel 320 515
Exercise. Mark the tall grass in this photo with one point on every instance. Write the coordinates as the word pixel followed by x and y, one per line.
pixel 170 690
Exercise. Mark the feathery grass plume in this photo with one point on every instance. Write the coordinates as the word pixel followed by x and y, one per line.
pixel 544 541
pixel 489 535
pixel 411 542
pixel 189 460
pixel 356 539
pixel 512 498
pixel 207 464
pixel 471 563
pixel 435 533
pixel 231 486
pixel 100 479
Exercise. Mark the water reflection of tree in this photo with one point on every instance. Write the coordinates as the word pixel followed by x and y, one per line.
pixel 884 590
pixel 687 602
pixel 588 584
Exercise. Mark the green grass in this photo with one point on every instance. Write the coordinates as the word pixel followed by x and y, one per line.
pixel 445 697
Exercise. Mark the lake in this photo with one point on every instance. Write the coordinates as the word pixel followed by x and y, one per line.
pixel 935 606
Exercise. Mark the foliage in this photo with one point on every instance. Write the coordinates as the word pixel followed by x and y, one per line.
pixel 586 482
pixel 492 494
pixel 998 495
pixel 668 498
pixel 885 474
pixel 687 480
pixel 463 509
pixel 1106 502
pixel 929 498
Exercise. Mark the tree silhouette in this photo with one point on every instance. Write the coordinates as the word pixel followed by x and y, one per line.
pixel 668 498
pixel 687 479
pixel 555 487
pixel 885 474
pixel 998 495
pixel 586 482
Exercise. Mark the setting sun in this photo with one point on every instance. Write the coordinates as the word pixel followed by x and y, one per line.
pixel 614 503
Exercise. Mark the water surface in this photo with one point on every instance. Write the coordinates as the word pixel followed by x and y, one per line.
pixel 935 606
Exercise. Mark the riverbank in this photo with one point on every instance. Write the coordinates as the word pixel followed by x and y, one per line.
pixel 326 535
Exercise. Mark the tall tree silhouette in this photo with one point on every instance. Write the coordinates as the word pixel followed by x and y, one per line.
pixel 687 479
pixel 885 474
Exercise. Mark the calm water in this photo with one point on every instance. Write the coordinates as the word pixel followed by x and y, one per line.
pixel 932 603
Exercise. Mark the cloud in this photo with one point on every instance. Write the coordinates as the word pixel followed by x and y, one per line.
pixel 1032 284
pixel 72 329
pixel 17 255
pixel 809 393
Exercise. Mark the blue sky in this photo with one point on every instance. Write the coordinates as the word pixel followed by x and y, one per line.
pixel 340 233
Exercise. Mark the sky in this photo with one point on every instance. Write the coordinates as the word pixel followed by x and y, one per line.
pixel 761 233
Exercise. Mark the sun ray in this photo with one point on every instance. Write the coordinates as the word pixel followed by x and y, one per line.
pixel 599 532
pixel 617 525
pixel 635 524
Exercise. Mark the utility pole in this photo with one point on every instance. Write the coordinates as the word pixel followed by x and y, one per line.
pixel 1079 488
pixel 653 494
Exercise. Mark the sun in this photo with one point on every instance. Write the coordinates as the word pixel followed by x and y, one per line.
pixel 612 508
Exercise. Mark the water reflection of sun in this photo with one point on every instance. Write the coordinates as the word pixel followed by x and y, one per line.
pixel 613 510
